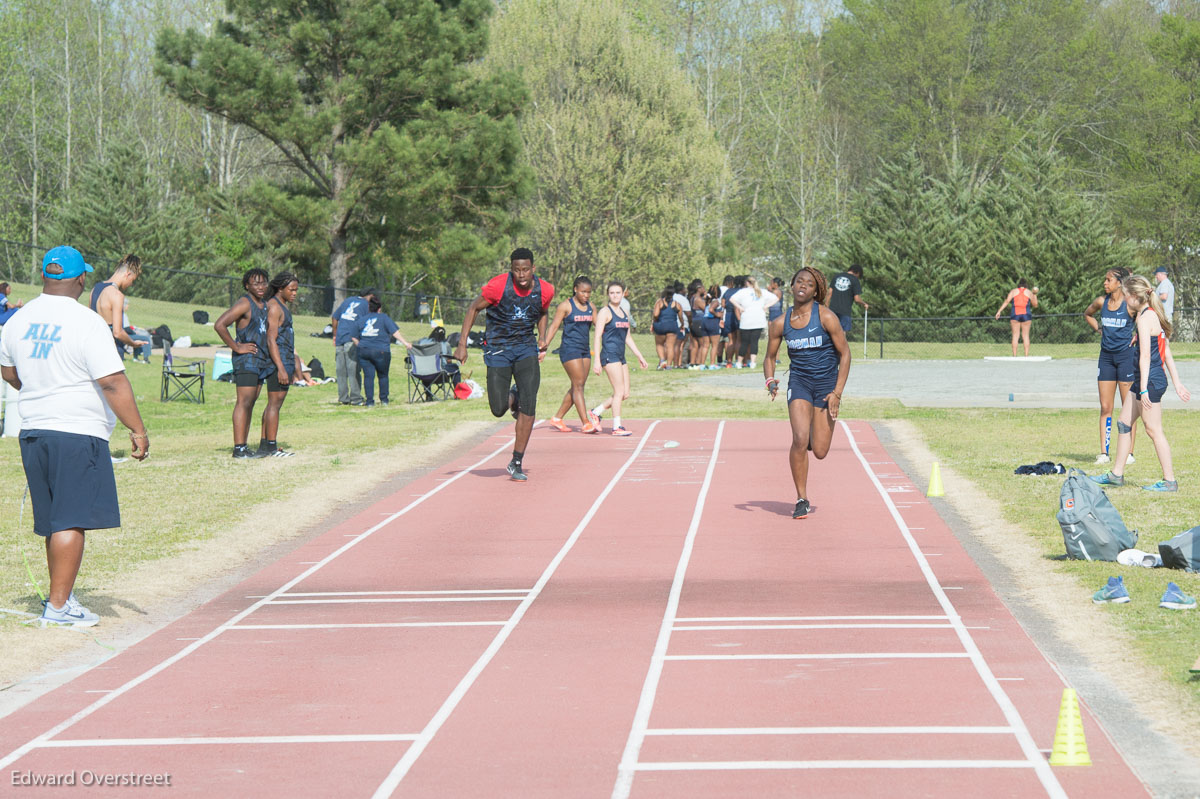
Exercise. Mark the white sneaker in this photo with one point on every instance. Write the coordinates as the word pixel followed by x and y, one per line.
pixel 72 614
pixel 1103 458
pixel 1130 459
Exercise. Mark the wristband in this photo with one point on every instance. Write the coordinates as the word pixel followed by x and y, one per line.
pixel 1140 393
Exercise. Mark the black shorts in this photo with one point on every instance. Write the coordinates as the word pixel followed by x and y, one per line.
pixel 608 356
pixel 273 381
pixel 71 482
pixel 248 379
pixel 1021 317
pixel 526 373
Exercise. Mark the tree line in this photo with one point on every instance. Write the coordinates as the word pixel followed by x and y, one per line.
pixel 948 147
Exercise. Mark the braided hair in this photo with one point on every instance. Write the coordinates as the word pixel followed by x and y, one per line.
pixel 820 281
pixel 280 282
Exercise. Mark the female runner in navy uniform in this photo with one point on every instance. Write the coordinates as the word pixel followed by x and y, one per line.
pixel 820 365
pixel 667 315
pixel 1118 358
pixel 612 335
pixel 575 316
pixel 1153 328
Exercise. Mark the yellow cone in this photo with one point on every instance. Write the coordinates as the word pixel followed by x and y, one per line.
pixel 1069 747
pixel 935 483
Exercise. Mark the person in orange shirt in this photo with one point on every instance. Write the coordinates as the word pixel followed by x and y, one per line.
pixel 1023 302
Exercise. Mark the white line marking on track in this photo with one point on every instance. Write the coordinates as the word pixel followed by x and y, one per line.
pixel 392 600
pixel 439 592
pixel 684 731
pixel 398 772
pixel 763 765
pixel 944 626
pixel 367 625
pixel 44 738
pixel 825 656
pixel 641 719
pixel 235 741
pixel 1011 679
pixel 683 620
pixel 1021 732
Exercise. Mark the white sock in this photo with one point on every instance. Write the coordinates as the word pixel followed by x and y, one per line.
pixel 616 421
pixel 556 418
pixel 598 410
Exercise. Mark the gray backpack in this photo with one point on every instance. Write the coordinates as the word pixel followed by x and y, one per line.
pixel 1092 529
pixel 1182 551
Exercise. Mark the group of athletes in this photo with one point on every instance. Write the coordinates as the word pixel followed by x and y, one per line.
pixel 520 330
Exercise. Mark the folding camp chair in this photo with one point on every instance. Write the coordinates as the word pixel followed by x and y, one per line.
pixel 182 382
pixel 432 371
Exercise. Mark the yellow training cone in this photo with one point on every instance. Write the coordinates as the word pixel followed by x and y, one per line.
pixel 935 482
pixel 1069 747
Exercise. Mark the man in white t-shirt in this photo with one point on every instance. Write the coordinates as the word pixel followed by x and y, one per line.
pixel 1165 291
pixel 60 356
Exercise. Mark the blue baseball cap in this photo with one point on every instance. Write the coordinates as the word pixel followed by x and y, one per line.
pixel 1162 269
pixel 69 258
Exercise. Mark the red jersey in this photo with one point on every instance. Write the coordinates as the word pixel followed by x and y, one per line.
pixel 493 290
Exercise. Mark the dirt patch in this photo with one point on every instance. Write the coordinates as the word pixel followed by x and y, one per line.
pixel 1166 708
pixel 156 593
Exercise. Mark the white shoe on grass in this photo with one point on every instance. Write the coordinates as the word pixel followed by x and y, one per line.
pixel 71 614
pixel 1103 458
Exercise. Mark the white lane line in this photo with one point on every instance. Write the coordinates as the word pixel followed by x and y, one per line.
pixel 367 625
pixel 398 772
pixel 805 618
pixel 42 739
pixel 944 626
pixel 685 731
pixel 765 765
pixel 234 741
pixel 641 720
pixel 1034 757
pixel 391 600
pixel 440 592
pixel 825 656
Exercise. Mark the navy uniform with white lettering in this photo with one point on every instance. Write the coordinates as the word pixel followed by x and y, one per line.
pixel 814 362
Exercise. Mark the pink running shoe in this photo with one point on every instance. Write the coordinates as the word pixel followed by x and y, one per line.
pixel 621 431
pixel 558 425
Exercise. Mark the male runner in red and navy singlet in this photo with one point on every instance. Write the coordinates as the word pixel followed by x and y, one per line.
pixel 516 305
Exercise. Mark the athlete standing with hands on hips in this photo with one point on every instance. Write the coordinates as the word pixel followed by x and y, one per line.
pixel 820 365
pixel 516 304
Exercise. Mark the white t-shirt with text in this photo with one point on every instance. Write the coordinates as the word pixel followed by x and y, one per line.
pixel 754 309
pixel 59 349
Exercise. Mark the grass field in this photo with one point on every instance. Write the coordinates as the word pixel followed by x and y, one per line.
pixel 190 488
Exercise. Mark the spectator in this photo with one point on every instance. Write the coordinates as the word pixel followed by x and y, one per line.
pixel 374 337
pixel 1165 291
pixel 846 290
pixel 7 309
pixel 141 338
pixel 73 389
pixel 108 300
pixel 345 325
pixel 751 305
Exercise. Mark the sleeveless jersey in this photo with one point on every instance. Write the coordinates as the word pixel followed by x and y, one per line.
pixel 1020 303
pixel 96 292
pixel 668 316
pixel 285 339
pixel 577 328
pixel 1158 375
pixel 774 312
pixel 511 322
pixel 810 347
pixel 612 339
pixel 1116 328
pixel 255 332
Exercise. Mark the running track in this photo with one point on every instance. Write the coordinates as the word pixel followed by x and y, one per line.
pixel 639 620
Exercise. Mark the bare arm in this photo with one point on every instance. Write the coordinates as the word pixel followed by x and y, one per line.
pixel 833 328
pixel 1143 326
pixel 9 373
pixel 402 340
pixel 1090 314
pixel 560 313
pixel 233 315
pixel 541 346
pixel 1169 362
pixel 629 343
pixel 858 298
pixel 774 339
pixel 602 319
pixel 111 312
pixel 460 352
pixel 1007 300
pixel 119 396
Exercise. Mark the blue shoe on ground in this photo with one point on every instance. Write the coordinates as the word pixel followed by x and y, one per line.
pixel 1163 485
pixel 1107 479
pixel 1113 592
pixel 1175 599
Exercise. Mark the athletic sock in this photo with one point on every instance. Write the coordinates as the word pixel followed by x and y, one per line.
pixel 616 421
pixel 517 456
pixel 599 409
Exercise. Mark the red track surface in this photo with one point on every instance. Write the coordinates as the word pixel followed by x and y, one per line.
pixel 638 620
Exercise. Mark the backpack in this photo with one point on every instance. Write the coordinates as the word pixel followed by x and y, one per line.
pixel 1091 527
pixel 1182 551
pixel 317 370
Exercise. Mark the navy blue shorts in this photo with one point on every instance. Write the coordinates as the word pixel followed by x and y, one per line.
pixel 71 482
pixel 508 355
pixel 1117 367
pixel 847 322
pixel 665 328
pixel 573 354
pixel 1021 317
pixel 814 392
pixel 608 356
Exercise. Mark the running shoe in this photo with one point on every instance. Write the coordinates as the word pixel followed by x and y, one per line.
pixel 1163 485
pixel 515 472
pixel 513 401
pixel 621 431
pixel 558 425
pixel 591 428
pixel 802 509
pixel 1103 458
pixel 594 419
pixel 1108 479
pixel 1131 459
pixel 71 614
pixel 1175 599
pixel 1114 592
pixel 245 453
